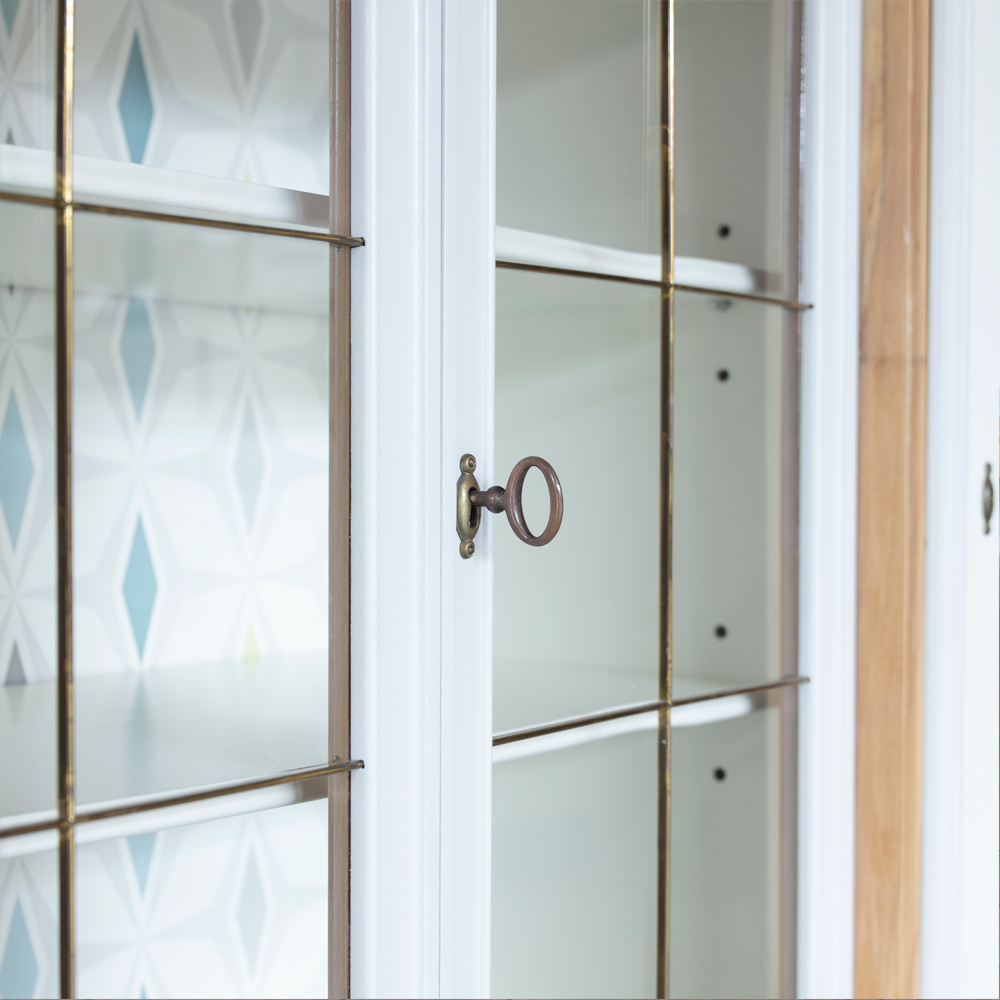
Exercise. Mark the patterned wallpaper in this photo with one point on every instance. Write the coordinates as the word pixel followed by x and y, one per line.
pixel 200 488
pixel 229 908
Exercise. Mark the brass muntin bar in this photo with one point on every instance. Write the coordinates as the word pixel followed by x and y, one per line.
pixel 211 792
pixel 790 473
pixel 583 720
pixel 64 493
pixel 216 791
pixel 20 831
pixel 566 272
pixel 30 199
pixel 666 63
pixel 639 709
pixel 240 227
pixel 769 300
pixel 188 220
pixel 339 568
pixel 783 682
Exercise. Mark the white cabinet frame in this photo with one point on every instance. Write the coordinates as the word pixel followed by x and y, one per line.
pixel 423 191
pixel 423 299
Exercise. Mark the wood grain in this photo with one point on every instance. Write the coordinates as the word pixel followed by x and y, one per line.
pixel 892 436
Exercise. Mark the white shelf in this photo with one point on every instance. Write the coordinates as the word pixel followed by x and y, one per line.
pixel 160 731
pixel 155 189
pixel 534 694
pixel 521 247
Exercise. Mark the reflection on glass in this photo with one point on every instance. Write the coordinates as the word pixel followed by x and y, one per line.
pixel 725 851
pixel 228 90
pixel 729 158
pixel 27 95
pixel 200 505
pixel 578 383
pixel 728 412
pixel 29 917
pixel 574 870
pixel 230 907
pixel 578 121
pixel 27 513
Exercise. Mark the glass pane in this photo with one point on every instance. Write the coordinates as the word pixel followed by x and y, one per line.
pixel 227 90
pixel 729 158
pixel 725 851
pixel 578 383
pixel 27 512
pixel 29 917
pixel 232 907
pixel 578 121
pixel 728 413
pixel 27 95
pixel 574 869
pixel 201 485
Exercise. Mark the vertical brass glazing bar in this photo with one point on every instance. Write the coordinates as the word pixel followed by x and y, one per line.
pixel 64 491
pixel 340 501
pixel 666 21
pixel 790 381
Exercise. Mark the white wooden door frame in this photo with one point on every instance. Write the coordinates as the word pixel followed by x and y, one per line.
pixel 828 499
pixel 422 328
pixel 959 907
pixel 423 197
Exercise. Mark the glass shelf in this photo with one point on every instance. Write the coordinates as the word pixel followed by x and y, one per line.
pixel 519 246
pixel 160 731
pixel 155 189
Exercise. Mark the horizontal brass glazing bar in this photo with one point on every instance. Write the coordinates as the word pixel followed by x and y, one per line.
pixel 784 682
pixel 185 798
pixel 746 296
pixel 649 706
pixel 189 220
pixel 511 265
pixel 584 720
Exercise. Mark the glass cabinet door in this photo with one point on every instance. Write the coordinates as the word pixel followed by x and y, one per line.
pixel 646 347
pixel 174 440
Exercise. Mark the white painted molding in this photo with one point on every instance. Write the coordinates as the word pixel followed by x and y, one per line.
pixel 396 527
pixel 960 892
pixel 828 540
pixel 422 330
pixel 468 276
pixel 947 375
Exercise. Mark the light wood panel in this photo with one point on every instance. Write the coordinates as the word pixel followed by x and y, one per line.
pixel 892 435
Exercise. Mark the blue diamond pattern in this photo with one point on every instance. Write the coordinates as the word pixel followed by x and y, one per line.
pixel 9 13
pixel 251 911
pixel 16 469
pixel 248 18
pixel 248 465
pixel 140 846
pixel 135 105
pixel 137 349
pixel 15 669
pixel 19 968
pixel 139 588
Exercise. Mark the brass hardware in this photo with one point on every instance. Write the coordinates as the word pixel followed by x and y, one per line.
pixel 768 300
pixel 471 500
pixel 581 721
pixel 987 499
